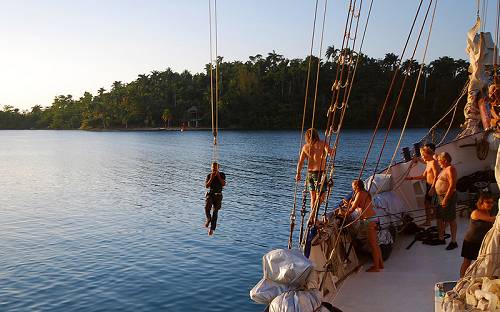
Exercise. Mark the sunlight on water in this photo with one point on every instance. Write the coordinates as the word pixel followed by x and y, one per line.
pixel 114 221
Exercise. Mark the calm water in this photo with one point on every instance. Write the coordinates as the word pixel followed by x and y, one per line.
pixel 114 221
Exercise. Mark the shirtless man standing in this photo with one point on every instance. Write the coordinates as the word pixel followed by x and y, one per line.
pixel 315 151
pixel 445 187
pixel 429 175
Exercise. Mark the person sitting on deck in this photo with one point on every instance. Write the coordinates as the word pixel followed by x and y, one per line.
pixel 315 151
pixel 480 223
pixel 429 175
pixel 445 188
pixel 362 202
pixel 215 181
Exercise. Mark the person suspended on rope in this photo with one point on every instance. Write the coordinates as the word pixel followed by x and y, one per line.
pixel 315 152
pixel 215 181
pixel 362 203
pixel 430 173
pixel 445 189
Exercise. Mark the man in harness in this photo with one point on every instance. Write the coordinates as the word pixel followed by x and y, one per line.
pixel 215 181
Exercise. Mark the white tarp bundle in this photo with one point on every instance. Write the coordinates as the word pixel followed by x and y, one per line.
pixel 296 301
pixel 265 291
pixel 286 266
pixel 379 183
pixel 285 283
pixel 481 51
pixel 388 207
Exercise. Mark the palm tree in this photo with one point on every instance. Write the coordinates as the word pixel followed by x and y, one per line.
pixel 390 61
pixel 331 53
pixel 165 116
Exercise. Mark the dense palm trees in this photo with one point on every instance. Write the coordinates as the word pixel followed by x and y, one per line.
pixel 262 93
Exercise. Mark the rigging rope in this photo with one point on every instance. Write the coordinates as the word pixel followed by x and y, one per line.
pixel 388 94
pixel 294 208
pixel 328 133
pixel 497 38
pixel 348 83
pixel 314 104
pixel 342 226
pixel 324 157
pixel 453 108
pixel 402 88
pixel 411 103
pixel 319 64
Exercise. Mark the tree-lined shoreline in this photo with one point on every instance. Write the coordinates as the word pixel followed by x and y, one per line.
pixel 260 93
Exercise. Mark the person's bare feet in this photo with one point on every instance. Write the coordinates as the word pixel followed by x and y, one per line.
pixel 210 232
pixel 207 222
pixel 373 269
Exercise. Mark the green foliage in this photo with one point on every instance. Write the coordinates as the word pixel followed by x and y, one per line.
pixel 261 93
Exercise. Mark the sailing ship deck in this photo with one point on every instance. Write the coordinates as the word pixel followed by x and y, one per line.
pixel 407 282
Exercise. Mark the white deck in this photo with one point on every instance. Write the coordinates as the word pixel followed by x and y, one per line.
pixel 407 282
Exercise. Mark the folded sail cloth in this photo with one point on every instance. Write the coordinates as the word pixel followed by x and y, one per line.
pixel 297 301
pixel 265 291
pixel 286 266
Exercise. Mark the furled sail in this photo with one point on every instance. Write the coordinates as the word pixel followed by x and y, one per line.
pixel 481 51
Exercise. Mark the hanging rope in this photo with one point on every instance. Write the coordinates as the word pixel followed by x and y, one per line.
pixel 294 208
pixel 319 64
pixel 364 162
pixel 388 94
pixel 342 226
pixel 348 85
pixel 497 39
pixel 328 133
pixel 402 89
pixel 214 94
pixel 216 80
pixel 411 103
pixel 452 108
pixel 337 83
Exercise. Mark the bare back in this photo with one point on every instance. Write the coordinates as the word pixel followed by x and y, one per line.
pixel 316 155
pixel 363 202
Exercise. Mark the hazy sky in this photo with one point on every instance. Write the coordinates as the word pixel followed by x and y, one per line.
pixel 51 47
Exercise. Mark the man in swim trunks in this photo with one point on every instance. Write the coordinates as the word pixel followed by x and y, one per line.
pixel 445 187
pixel 215 181
pixel 315 151
pixel 430 173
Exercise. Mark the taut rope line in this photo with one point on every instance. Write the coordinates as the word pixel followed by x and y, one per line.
pixel 294 208
pixel 214 95
pixel 388 94
pixel 401 90
pixel 319 64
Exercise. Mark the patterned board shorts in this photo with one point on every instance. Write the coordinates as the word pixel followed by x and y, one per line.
pixel 314 181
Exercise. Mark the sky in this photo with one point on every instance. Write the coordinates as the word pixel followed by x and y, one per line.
pixel 53 47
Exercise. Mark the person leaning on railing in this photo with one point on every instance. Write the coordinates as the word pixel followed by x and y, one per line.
pixel 480 223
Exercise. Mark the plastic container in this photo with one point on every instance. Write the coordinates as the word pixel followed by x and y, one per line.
pixel 440 290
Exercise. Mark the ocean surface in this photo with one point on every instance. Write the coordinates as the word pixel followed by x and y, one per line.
pixel 113 221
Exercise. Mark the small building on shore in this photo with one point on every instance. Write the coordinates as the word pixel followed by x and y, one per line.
pixel 193 117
